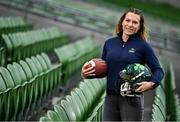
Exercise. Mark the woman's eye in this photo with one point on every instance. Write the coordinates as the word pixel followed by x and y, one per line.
pixel 135 22
pixel 127 20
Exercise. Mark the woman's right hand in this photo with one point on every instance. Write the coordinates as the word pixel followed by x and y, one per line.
pixel 87 71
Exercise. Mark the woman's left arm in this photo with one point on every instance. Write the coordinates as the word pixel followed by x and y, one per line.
pixel 156 69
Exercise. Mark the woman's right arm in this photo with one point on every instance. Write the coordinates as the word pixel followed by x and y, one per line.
pixel 87 71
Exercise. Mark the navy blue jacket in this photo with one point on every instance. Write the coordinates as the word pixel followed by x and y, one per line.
pixel 118 55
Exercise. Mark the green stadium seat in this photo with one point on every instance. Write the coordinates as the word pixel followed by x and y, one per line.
pixel 44 119
pixel 2 84
pixel 61 112
pixel 75 108
pixel 69 110
pixel 7 77
pixel 32 66
pixel 78 101
pixel 21 72
pixel 87 94
pixel 158 114
pixel 83 101
pixel 53 116
pixel 26 69
pixel 15 74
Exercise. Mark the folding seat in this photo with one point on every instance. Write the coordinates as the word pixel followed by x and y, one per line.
pixel 26 69
pixel 69 110
pixel 25 88
pixel 3 98
pixel 18 48
pixel 161 95
pixel 83 101
pixel 29 89
pixel 44 119
pixel 97 97
pixel 99 109
pixel 10 98
pixel 19 91
pixel 16 45
pixel 40 79
pixel 14 71
pixel 87 93
pixel 18 97
pixel 43 63
pixel 17 94
pixel 63 56
pixel 92 118
pixel 90 87
pixel 78 101
pixel 49 65
pixel 21 72
pixel 61 112
pixel 37 64
pixel 7 104
pixel 37 81
pixel 44 80
pixel 53 74
pixel 7 77
pixel 2 56
pixel 158 102
pixel 157 113
pixel 35 72
pixel 46 58
pixel 95 84
pixel 8 44
pixel 53 116
pixel 75 107
pixel 95 94
pixel 2 84
pixel 32 66
pixel 45 70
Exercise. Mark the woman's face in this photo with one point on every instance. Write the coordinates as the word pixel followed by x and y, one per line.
pixel 131 23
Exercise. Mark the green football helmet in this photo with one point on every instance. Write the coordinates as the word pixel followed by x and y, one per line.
pixel 131 75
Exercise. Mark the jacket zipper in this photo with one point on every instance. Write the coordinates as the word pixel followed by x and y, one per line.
pixel 124 44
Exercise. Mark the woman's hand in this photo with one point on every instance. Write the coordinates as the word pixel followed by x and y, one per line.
pixel 87 71
pixel 144 86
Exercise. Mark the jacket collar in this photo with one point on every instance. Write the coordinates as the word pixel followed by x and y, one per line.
pixel 135 35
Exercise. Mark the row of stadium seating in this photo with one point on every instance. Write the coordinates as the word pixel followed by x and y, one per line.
pixel 93 19
pixel 27 82
pixel 30 78
pixel 25 44
pixel 74 55
pixel 84 103
pixel 166 105
pixel 11 25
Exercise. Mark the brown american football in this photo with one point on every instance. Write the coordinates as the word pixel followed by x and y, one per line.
pixel 100 67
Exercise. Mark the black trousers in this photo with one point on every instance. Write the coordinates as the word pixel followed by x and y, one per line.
pixel 120 108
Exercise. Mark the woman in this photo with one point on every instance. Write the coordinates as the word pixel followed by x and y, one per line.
pixel 129 45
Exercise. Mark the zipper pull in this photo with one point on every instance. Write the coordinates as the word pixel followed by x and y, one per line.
pixel 123 44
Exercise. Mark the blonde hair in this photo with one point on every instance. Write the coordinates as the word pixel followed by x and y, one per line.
pixel 142 32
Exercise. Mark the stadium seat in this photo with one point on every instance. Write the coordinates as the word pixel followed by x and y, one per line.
pixel 69 110
pixel 61 112
pixel 2 84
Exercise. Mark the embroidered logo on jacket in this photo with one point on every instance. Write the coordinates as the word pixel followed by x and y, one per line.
pixel 132 50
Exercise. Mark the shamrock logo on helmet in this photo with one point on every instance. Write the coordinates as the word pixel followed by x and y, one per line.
pixel 131 75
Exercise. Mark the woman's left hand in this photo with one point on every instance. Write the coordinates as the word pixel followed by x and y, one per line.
pixel 144 86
